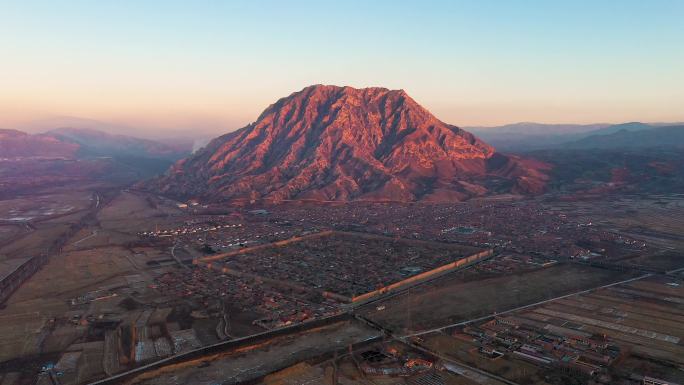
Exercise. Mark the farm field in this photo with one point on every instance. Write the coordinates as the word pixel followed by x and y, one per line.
pixel 620 333
pixel 451 299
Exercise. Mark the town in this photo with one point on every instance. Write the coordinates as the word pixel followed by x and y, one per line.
pixel 161 279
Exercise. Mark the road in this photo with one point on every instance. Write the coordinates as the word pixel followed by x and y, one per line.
pixel 173 254
pixel 675 271
pixel 94 233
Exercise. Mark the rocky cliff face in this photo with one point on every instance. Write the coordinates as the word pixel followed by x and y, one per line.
pixel 342 143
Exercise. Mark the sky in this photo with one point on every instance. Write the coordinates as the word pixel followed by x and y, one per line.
pixel 209 67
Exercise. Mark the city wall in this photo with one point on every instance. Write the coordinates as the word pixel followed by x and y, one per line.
pixel 11 282
pixel 474 258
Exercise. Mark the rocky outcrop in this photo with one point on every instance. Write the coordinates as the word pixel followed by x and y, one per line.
pixel 342 143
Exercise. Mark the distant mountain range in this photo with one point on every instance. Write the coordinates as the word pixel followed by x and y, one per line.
pixel 167 135
pixel 99 143
pixel 343 143
pixel 83 143
pixel 66 155
pixel 16 144
pixel 632 137
pixel 535 136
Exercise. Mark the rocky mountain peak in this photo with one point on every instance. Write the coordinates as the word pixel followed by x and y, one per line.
pixel 340 143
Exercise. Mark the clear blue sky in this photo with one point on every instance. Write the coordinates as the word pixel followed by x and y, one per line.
pixel 214 65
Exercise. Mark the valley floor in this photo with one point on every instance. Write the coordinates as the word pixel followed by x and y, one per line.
pixel 119 289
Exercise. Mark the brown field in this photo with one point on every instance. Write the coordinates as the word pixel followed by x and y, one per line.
pixel 8 233
pixel 40 207
pixel 97 259
pixel 40 220
pixel 91 238
pixel 256 361
pixel 132 212
pixel 506 367
pixel 450 300
pixel 46 294
pixel 35 242
pixel 649 305
pixel 643 318
pixel 664 261
pixel 660 220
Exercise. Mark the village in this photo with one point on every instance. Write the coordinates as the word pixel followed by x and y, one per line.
pixel 182 278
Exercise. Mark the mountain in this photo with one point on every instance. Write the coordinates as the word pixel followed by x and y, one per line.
pixel 99 143
pixel 524 137
pixel 60 157
pixel 185 135
pixel 632 137
pixel 530 136
pixel 630 126
pixel 342 143
pixel 15 144
pixel 82 143
pixel 531 128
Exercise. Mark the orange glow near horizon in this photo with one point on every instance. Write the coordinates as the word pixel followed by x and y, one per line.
pixel 174 67
pixel 227 113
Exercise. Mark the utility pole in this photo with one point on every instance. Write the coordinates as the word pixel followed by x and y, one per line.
pixel 334 371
